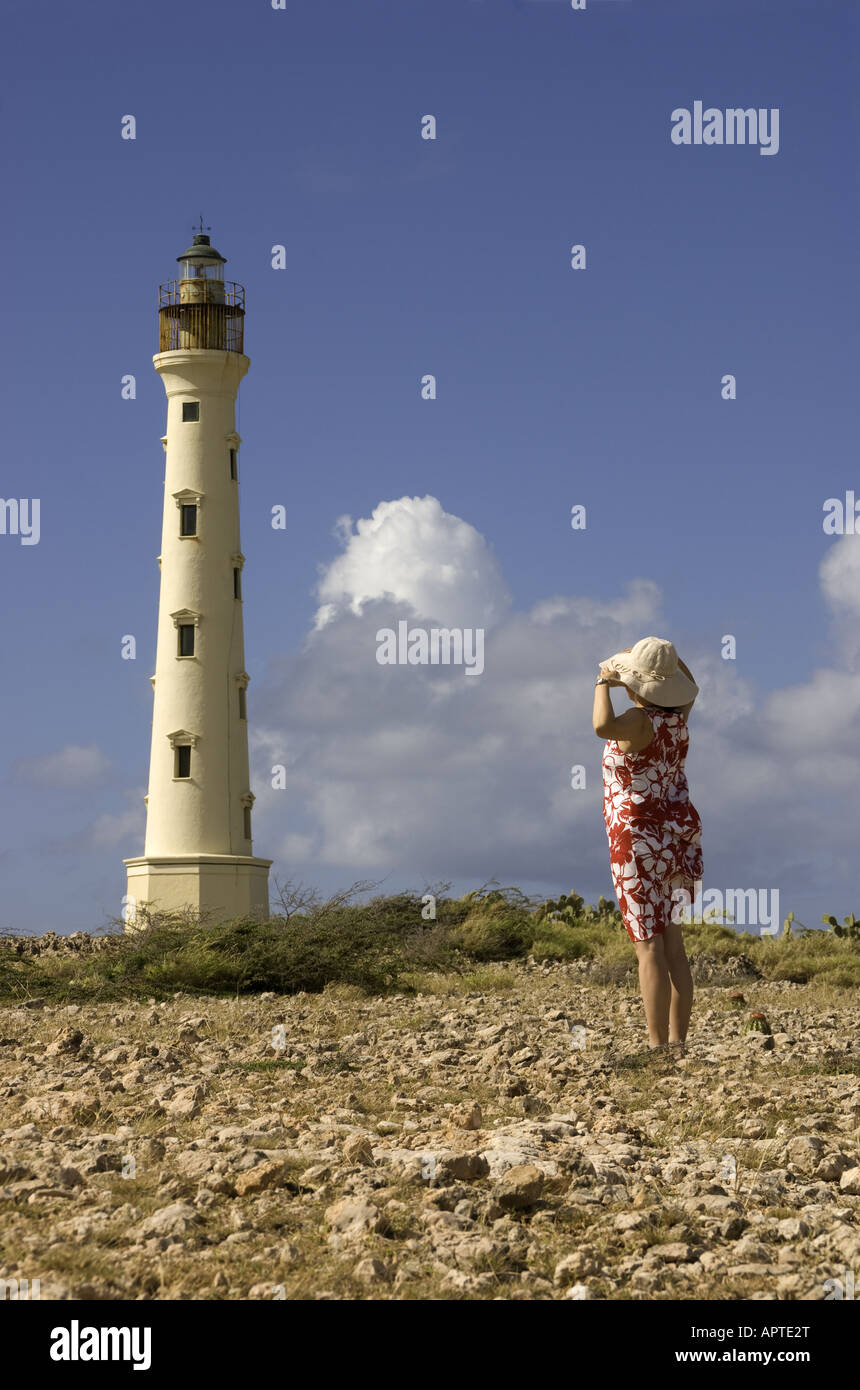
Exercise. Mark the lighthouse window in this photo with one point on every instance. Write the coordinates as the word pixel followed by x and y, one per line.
pixel 247 811
pixel 186 639
pixel 190 411
pixel 183 761
pixel 243 703
pixel 188 519
pixel 237 583
pixel 233 473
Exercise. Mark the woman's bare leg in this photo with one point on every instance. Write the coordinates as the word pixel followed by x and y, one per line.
pixel 656 990
pixel 681 1002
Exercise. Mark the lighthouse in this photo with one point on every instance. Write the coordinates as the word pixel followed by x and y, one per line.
pixel 198 850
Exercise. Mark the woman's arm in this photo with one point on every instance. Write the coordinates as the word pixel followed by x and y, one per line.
pixel 685 709
pixel 632 729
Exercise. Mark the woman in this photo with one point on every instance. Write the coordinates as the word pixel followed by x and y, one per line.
pixel 654 831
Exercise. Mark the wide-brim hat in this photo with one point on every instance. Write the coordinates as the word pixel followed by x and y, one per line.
pixel 651 669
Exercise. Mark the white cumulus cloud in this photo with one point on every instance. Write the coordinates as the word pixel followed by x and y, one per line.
pixel 840 574
pixel 417 554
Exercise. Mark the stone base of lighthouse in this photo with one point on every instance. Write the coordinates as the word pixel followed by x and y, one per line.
pixel 225 885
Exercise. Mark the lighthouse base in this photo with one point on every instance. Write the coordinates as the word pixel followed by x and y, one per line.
pixel 220 885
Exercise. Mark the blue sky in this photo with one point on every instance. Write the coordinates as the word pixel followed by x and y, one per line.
pixel 555 387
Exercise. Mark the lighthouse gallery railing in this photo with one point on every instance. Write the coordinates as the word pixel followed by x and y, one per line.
pixel 201 323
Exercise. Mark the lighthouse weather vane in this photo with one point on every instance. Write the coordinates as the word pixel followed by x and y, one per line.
pixel 201 229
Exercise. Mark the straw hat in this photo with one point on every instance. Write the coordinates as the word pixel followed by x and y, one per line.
pixel 651 669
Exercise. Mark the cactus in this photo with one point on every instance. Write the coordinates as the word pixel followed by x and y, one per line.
pixel 756 1023
pixel 573 910
pixel 736 999
pixel 850 926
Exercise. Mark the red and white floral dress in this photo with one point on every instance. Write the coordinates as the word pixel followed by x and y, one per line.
pixel 654 831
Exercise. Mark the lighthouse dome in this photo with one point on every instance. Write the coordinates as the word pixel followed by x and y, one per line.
pixel 202 252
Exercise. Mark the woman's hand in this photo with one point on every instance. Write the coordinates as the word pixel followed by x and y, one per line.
pixel 610 676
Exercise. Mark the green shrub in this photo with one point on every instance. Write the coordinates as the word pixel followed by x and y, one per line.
pixel 494 931
pixel 386 943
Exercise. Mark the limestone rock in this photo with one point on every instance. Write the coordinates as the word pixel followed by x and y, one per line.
pixel 173 1220
pixel 520 1187
pixel 792 1228
pixel 454 1167
pixel 467 1116
pixel 370 1271
pixel 358 1149
pixel 750 1250
pixel 352 1217
pixel 850 1182
pixel 672 1252
pixel 805 1152
pixel 186 1103
pixel 261 1178
pixel 577 1265
pixel 67 1040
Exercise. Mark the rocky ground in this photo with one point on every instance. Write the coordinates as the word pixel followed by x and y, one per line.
pixel 500 1137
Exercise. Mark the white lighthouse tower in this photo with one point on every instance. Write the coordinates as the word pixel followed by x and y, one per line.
pixel 198 849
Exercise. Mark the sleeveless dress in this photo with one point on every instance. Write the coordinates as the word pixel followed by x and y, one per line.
pixel 654 831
